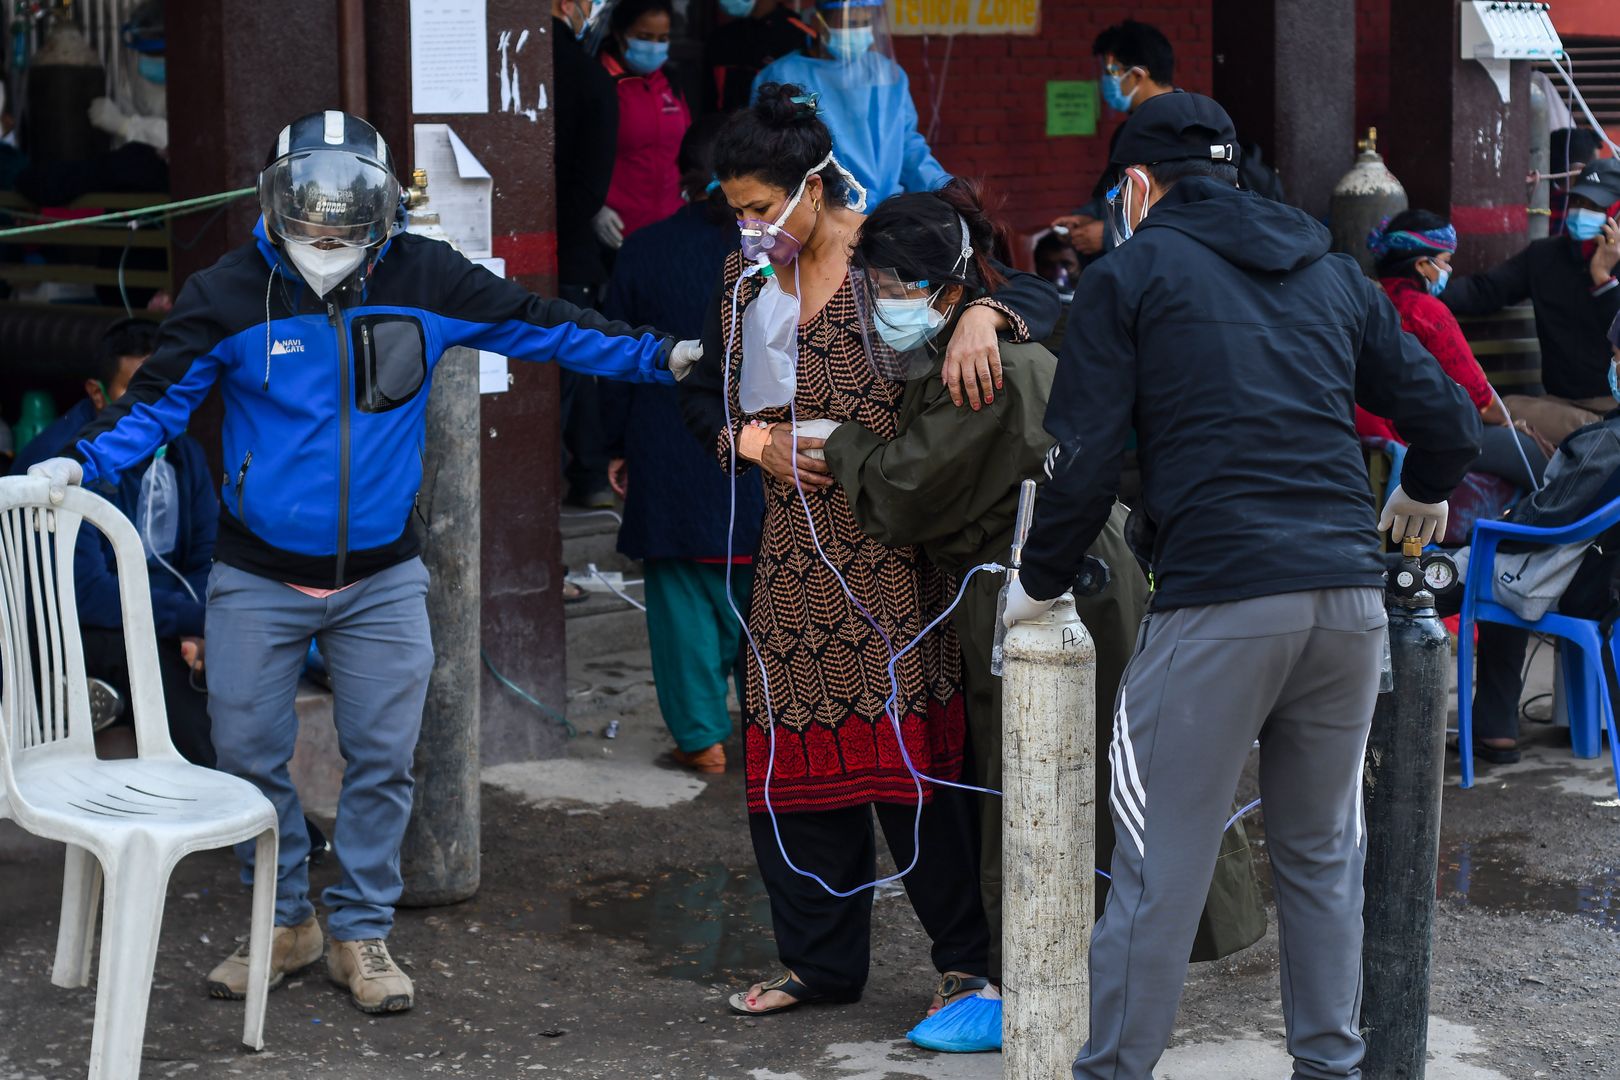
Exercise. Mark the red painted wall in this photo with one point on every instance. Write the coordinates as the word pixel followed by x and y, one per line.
pixel 1372 64
pixel 1586 18
pixel 992 124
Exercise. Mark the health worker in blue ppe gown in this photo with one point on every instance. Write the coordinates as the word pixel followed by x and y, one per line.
pixel 863 97
pixel 321 335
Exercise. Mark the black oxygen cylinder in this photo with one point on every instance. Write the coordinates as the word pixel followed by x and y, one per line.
pixel 1404 771
pixel 64 78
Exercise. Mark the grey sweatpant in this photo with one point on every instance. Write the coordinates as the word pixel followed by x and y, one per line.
pixel 1298 671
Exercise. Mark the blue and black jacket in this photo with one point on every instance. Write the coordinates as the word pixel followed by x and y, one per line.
pixel 325 399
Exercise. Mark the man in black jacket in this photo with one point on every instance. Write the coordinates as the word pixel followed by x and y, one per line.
pixel 1237 344
pixel 1570 281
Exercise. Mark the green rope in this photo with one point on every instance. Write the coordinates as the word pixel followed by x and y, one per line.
pixel 173 209
pixel 548 712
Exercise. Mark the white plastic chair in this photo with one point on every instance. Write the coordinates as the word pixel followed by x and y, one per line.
pixel 126 821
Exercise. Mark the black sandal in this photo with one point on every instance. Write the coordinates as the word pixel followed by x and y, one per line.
pixel 800 993
pixel 951 984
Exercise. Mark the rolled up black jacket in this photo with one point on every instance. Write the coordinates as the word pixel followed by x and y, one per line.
pixel 1233 341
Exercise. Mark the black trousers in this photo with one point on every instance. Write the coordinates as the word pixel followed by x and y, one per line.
pixel 105 658
pixel 827 941
pixel 1498 673
pixel 584 446
pixel 1499 456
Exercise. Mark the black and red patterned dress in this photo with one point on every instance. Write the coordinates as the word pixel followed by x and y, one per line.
pixel 827 665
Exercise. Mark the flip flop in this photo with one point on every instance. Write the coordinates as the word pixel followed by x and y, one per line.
pixel 800 993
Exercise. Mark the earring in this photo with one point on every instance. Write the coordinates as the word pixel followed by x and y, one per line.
pixel 816 206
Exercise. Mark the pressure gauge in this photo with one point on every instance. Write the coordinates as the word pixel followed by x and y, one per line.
pixel 1440 575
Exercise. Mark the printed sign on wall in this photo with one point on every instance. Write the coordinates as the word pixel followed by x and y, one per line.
pixel 917 17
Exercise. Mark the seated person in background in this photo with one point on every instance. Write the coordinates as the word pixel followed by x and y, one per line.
pixel 1570 281
pixel 179 523
pixel 1058 262
pixel 1414 251
pixel 864 98
pixel 1582 478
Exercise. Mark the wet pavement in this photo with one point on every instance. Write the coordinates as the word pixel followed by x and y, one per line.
pixel 612 923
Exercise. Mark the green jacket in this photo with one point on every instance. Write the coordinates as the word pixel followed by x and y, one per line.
pixel 949 482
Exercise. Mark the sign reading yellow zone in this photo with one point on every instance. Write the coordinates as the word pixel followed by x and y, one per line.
pixel 916 17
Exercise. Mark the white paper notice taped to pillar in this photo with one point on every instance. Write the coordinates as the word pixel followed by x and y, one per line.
pixel 460 189
pixel 493 374
pixel 449 57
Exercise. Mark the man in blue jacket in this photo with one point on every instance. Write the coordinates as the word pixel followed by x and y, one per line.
pixel 178 572
pixel 321 336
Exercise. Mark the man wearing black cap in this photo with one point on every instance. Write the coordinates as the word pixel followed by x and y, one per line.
pixel 1223 328
pixel 1570 281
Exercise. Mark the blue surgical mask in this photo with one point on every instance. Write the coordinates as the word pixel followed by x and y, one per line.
pixel 1438 285
pixel 151 69
pixel 905 325
pixel 1614 380
pixel 1113 95
pixel 849 43
pixel 645 57
pixel 737 9
pixel 1584 224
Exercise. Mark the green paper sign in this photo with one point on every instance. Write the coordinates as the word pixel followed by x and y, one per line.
pixel 1071 108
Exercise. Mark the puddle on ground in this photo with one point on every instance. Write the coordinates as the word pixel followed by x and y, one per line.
pixel 1490 875
pixel 706 925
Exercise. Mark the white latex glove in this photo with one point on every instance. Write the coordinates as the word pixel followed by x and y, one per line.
pixel 61 473
pixel 1404 516
pixel 609 227
pixel 106 115
pixel 1021 607
pixel 815 429
pixel 683 357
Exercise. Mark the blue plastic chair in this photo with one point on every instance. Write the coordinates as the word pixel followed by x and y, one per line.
pixel 1586 688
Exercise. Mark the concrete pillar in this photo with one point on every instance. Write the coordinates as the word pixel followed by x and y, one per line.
pixel 1456 146
pixel 522 623
pixel 1286 72
pixel 440 854
pixel 1048 820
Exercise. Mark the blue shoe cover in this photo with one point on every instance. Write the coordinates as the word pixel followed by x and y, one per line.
pixel 969 1026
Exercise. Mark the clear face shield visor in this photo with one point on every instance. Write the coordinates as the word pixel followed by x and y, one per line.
pixel 899 320
pixel 1126 200
pixel 330 198
pixel 855 35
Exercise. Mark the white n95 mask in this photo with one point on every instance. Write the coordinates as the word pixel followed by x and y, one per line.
pixel 325 269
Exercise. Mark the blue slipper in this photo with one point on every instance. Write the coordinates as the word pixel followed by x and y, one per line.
pixel 971 1025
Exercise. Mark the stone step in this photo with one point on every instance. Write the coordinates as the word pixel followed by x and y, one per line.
pixel 604 625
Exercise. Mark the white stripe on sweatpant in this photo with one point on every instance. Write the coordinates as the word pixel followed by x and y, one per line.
pixel 1120 794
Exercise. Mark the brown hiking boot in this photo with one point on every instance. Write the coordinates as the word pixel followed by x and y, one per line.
pixel 377 984
pixel 292 949
pixel 711 760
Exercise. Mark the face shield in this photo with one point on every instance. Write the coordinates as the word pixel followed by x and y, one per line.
pixel 328 198
pixel 899 320
pixel 1127 201
pixel 854 35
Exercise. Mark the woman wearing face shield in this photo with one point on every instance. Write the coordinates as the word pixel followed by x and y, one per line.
pixel 948 480
pixel 788 348
pixel 865 99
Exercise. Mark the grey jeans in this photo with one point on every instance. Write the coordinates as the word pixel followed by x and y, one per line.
pixel 1298 671
pixel 374 637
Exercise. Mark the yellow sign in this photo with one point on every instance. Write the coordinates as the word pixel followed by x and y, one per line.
pixel 917 17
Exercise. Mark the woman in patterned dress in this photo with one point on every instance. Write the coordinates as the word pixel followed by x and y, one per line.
pixel 823 755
